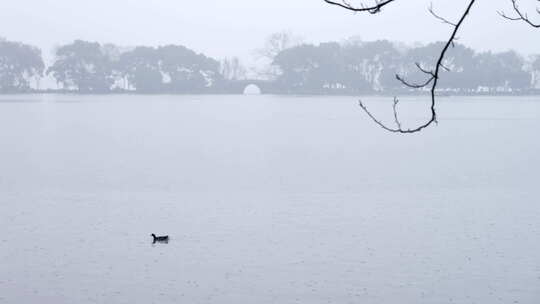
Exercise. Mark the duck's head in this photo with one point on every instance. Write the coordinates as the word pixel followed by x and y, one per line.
pixel 153 235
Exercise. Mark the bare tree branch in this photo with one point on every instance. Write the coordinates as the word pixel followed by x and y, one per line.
pixel 433 78
pixel 372 9
pixel 446 68
pixel 415 86
pixel 444 20
pixel 396 119
pixel 424 70
pixel 520 16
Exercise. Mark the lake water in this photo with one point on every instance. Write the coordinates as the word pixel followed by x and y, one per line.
pixel 267 200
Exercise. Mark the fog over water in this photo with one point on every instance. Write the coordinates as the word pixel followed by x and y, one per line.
pixel 267 200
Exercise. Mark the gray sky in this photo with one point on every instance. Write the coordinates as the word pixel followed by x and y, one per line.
pixel 236 27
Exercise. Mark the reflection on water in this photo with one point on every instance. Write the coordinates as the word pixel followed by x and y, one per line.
pixel 269 199
pixel 160 242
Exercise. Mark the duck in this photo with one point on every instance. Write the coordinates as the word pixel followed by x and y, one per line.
pixel 161 239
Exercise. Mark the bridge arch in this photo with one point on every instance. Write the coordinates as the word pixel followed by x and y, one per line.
pixel 252 89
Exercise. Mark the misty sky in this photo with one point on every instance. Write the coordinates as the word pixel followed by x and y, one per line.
pixel 236 27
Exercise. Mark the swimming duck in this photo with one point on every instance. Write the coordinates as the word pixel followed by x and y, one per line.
pixel 164 238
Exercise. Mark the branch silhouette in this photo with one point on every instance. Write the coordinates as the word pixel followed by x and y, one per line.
pixel 433 75
pixel 372 9
pixel 520 16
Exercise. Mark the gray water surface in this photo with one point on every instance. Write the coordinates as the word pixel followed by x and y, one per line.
pixel 267 200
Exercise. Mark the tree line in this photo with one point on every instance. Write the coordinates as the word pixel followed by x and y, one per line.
pixel 371 67
pixel 351 67
pixel 89 67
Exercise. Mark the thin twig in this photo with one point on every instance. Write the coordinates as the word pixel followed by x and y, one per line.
pixel 412 85
pixel 423 70
pixel 520 16
pixel 444 20
pixel 396 119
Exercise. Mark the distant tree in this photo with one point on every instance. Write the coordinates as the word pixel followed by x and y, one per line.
pixel 310 69
pixel 278 42
pixel 114 53
pixel 370 65
pixel 466 71
pixel 141 68
pixel 19 63
pixel 503 71
pixel 83 66
pixel 274 45
pixel 295 64
pixel 535 67
pixel 170 68
pixel 536 63
pixel 187 71
pixel 327 68
pixel 232 69
pixel 459 59
pixel 325 74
